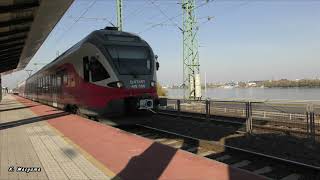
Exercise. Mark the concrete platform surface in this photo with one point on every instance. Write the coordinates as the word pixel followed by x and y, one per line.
pixel 27 141
pixel 67 146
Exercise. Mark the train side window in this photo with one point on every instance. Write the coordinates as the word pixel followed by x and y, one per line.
pixel 86 68
pixel 98 72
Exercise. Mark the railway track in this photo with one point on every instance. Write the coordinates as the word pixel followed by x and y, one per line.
pixel 262 164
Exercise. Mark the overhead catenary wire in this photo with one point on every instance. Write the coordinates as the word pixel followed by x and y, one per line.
pixel 138 11
pixel 173 17
pixel 76 20
pixel 135 12
pixel 209 18
pixel 163 13
pixel 94 18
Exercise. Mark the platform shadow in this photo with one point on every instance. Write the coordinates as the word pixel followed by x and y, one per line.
pixel 148 165
pixel 54 110
pixel 9 103
pixel 16 108
pixel 69 152
pixel 152 163
pixel 11 124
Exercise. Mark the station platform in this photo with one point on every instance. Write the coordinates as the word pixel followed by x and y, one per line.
pixel 42 142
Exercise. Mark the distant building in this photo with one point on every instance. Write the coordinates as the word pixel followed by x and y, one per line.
pixel 252 84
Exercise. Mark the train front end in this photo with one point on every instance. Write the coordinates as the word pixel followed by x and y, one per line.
pixel 134 67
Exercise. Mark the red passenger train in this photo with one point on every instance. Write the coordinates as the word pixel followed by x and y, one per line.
pixel 108 72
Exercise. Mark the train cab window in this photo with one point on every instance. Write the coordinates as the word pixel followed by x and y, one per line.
pixel 130 60
pixel 98 72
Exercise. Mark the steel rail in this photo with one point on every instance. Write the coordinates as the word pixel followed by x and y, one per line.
pixel 190 116
pixel 238 149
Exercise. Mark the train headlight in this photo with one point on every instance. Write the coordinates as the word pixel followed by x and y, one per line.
pixel 153 84
pixel 117 84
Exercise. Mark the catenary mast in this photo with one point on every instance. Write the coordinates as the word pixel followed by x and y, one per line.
pixel 119 15
pixel 191 65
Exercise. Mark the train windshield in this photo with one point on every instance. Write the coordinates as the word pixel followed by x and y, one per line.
pixel 131 60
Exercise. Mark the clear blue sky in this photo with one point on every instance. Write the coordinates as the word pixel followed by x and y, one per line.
pixel 246 40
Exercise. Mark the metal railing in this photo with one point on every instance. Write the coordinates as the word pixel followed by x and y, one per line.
pixel 291 118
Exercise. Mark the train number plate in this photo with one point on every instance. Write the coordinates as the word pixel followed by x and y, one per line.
pixel 137 83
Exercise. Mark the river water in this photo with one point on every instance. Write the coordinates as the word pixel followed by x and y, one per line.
pixel 254 93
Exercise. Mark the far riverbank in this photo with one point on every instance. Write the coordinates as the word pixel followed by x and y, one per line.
pixel 254 93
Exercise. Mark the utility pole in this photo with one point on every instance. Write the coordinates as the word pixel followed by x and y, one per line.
pixel 119 15
pixel 191 65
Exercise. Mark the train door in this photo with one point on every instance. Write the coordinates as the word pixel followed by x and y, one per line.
pixel 60 86
pixel 57 95
pixel 54 91
pixel 50 90
pixel 39 96
pixel 86 69
pixel 36 88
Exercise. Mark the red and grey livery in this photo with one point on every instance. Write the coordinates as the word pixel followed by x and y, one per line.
pixel 107 72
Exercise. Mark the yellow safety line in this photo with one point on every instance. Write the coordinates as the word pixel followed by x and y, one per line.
pixel 88 156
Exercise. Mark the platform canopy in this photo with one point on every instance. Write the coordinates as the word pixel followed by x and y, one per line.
pixel 24 26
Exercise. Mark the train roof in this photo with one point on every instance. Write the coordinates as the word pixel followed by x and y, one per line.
pixel 91 35
pixel 114 32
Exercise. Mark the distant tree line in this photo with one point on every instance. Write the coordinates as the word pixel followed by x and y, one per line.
pixel 285 83
pixel 291 83
pixel 160 90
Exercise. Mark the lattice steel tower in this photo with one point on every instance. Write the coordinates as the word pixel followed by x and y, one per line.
pixel 119 15
pixel 191 65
